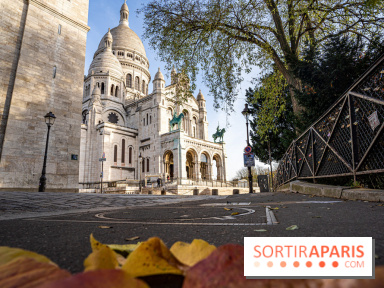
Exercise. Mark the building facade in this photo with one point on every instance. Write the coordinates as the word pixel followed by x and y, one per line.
pixel 132 128
pixel 41 70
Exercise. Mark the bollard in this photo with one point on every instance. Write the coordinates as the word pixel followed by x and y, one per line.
pixel 195 191
pixel 162 192
pixel 149 192
pixel 215 191
pixel 236 191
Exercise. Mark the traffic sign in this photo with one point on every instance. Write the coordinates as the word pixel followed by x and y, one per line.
pixel 102 159
pixel 248 149
pixel 249 160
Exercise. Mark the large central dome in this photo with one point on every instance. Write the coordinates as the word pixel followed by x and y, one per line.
pixel 123 36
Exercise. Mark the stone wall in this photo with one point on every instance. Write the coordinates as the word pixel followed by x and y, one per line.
pixel 38 49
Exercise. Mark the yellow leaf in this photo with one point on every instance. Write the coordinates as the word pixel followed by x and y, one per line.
pixel 190 254
pixel 103 258
pixel 7 254
pixel 235 213
pixel 228 209
pixel 152 257
pixel 29 273
pixel 132 238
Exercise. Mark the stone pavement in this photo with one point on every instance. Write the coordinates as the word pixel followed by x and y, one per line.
pixel 19 205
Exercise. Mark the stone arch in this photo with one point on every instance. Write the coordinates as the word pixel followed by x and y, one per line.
pixel 219 166
pixel 205 165
pixel 194 126
pixel 168 164
pixel 191 164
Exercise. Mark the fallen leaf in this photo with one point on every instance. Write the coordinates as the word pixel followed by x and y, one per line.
pixel 29 273
pixel 152 257
pixel 7 254
pixel 292 227
pixel 261 230
pixel 103 258
pixel 132 238
pixel 228 209
pixel 99 279
pixel 190 254
pixel 235 213
pixel 276 208
pixel 105 227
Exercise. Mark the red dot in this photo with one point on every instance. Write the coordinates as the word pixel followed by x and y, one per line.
pixel 335 264
pixel 283 264
pixel 308 264
pixel 322 264
pixel 270 264
pixel 296 264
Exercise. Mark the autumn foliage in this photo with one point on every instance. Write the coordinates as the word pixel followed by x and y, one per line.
pixel 198 265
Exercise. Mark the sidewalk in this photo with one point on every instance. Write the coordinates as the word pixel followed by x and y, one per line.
pixel 339 192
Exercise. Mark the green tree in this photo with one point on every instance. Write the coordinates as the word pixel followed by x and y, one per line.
pixel 328 71
pixel 225 38
pixel 273 117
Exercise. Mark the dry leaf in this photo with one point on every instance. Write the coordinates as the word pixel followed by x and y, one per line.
pixel 105 227
pixel 261 230
pixel 235 213
pixel 99 279
pixel 103 258
pixel 7 254
pixel 292 227
pixel 190 254
pixel 124 250
pixel 29 273
pixel 132 238
pixel 152 257
pixel 228 209
pixel 276 208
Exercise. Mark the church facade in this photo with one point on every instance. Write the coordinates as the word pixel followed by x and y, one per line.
pixel 137 132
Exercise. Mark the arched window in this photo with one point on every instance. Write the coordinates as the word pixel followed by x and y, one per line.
pixel 98 84
pixel 147 164
pixel 137 83
pixel 112 88
pixel 102 88
pixel 123 151
pixel 130 155
pixel 116 91
pixel 144 121
pixel 143 87
pixel 115 154
pixel 129 81
pixel 143 166
pixel 147 119
pixel 194 132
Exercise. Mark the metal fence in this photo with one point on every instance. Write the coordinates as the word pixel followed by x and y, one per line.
pixel 347 140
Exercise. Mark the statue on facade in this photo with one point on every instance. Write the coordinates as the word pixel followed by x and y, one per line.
pixel 219 134
pixel 176 120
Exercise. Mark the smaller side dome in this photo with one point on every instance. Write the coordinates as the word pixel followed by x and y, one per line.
pixel 108 40
pixel 200 96
pixel 159 75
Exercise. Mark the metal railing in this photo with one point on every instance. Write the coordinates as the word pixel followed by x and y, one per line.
pixel 347 140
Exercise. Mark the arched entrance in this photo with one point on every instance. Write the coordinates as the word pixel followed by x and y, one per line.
pixel 204 166
pixel 168 164
pixel 217 161
pixel 190 164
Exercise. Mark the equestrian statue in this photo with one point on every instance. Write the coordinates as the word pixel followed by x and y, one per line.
pixel 219 134
pixel 176 120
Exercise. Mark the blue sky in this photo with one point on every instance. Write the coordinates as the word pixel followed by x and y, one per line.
pixel 106 14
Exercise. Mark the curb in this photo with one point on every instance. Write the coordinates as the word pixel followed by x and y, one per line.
pixel 339 192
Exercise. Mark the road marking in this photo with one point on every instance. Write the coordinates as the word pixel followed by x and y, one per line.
pixel 228 204
pixel 271 219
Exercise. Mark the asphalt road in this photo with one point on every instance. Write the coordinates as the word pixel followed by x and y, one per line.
pixel 61 230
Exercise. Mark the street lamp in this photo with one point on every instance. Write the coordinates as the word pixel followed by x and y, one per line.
pixel 102 160
pixel 246 113
pixel 49 120
pixel 139 168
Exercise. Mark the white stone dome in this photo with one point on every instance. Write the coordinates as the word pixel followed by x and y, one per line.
pixel 159 75
pixel 124 38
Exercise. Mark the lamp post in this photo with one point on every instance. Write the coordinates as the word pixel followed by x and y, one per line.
pixel 49 120
pixel 102 160
pixel 245 112
pixel 140 159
